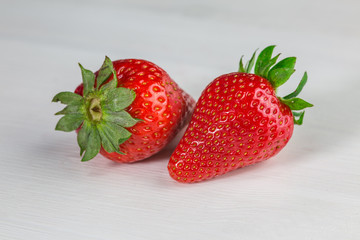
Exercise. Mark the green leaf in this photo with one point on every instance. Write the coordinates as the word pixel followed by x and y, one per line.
pixel 288 62
pixel 271 63
pixel 88 80
pixel 250 64
pixel 264 61
pixel 93 145
pixel 69 122
pixel 67 97
pixel 110 145
pixel 83 136
pixel 112 135
pixel 105 71
pixel 122 140
pixel 120 132
pixel 299 87
pixel 113 83
pixel 110 85
pixel 299 121
pixel 241 66
pixel 118 99
pixel 282 71
pixel 121 118
pixel 297 114
pixel 71 109
pixel 296 103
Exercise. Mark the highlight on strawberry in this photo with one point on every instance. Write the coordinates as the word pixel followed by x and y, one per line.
pixel 128 110
pixel 239 120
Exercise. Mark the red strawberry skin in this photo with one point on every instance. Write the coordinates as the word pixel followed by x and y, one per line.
pixel 238 121
pixel 162 105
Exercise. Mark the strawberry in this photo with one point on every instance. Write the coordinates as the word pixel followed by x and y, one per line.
pixel 239 120
pixel 128 110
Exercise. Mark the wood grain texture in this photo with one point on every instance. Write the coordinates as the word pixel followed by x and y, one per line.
pixel 311 190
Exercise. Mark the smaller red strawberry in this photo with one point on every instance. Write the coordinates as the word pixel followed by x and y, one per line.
pixel 239 120
pixel 128 110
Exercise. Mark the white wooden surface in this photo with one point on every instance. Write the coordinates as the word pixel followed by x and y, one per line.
pixel 311 190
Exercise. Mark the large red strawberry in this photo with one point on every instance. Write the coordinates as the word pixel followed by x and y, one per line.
pixel 129 103
pixel 239 120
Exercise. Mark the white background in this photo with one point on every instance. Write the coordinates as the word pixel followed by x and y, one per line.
pixel 311 190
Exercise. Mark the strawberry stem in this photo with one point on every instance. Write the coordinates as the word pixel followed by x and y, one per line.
pixel 100 112
pixel 95 110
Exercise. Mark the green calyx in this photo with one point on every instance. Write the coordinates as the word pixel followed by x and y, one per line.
pixel 278 74
pixel 100 112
